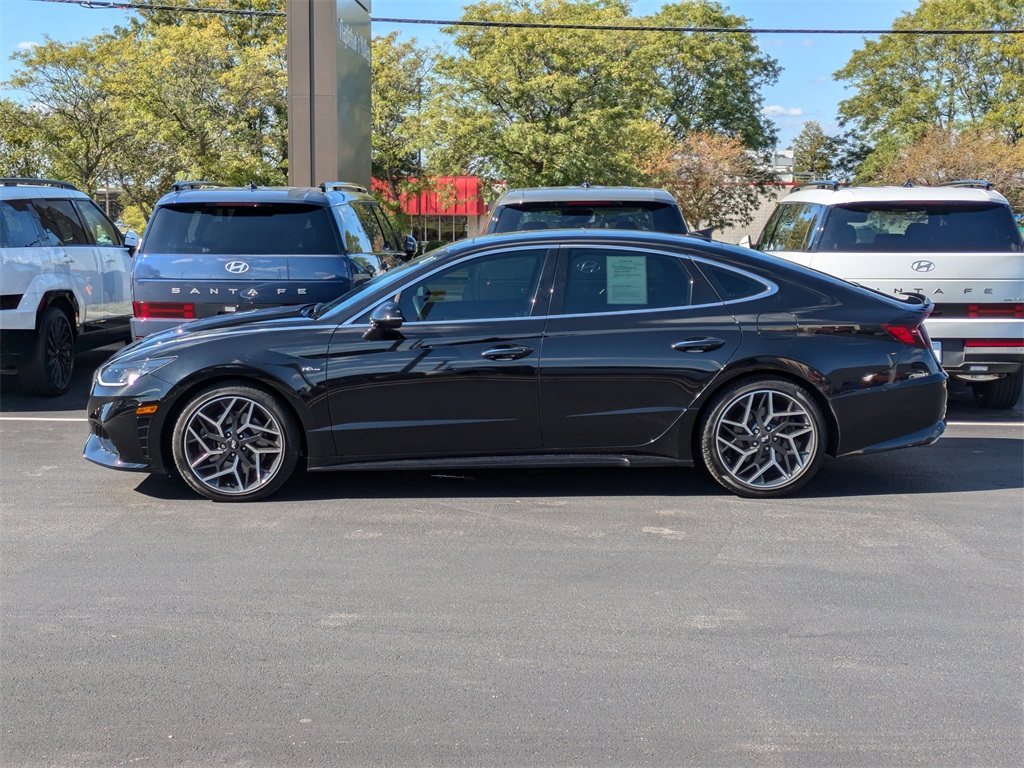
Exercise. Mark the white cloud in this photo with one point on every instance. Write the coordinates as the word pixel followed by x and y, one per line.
pixel 26 46
pixel 774 110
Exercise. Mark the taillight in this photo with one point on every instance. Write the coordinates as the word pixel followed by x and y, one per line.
pixel 163 310
pixel 996 310
pixel 907 333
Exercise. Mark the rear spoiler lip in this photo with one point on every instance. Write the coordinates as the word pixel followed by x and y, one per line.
pixel 926 304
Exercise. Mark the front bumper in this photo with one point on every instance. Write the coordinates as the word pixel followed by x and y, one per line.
pixel 100 450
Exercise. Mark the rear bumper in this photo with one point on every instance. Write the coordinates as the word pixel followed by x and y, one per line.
pixel 925 436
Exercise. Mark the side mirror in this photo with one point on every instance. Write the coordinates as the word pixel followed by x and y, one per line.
pixel 411 246
pixel 746 242
pixel 387 317
pixel 131 241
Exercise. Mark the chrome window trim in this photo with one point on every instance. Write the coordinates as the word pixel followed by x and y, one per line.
pixel 544 248
pixel 770 289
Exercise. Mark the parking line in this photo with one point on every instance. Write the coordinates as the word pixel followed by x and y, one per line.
pixel 39 418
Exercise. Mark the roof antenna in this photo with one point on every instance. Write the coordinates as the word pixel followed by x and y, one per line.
pixel 908 183
pixel 586 184
pixel 252 185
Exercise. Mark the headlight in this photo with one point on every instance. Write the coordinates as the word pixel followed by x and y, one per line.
pixel 126 374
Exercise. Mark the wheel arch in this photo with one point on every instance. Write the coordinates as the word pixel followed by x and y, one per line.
pixel 64 300
pixel 247 378
pixel 791 370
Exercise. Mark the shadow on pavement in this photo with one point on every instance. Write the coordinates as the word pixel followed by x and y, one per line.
pixel 953 465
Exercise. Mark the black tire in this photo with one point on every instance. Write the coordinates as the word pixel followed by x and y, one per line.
pixel 763 437
pixel 234 442
pixel 48 368
pixel 1000 394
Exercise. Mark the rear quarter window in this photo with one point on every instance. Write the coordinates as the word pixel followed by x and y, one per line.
pixel 791 228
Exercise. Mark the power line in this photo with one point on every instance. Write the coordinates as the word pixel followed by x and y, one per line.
pixel 139 6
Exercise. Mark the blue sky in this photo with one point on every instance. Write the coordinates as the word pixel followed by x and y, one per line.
pixel 805 91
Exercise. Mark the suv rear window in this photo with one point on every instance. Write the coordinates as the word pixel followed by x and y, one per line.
pixel 651 217
pixel 255 228
pixel 920 227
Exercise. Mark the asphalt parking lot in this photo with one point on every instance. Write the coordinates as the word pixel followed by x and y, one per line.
pixel 580 617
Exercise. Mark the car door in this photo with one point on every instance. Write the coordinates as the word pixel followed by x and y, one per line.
pixel 460 375
pixel 634 335
pixel 113 262
pixel 78 260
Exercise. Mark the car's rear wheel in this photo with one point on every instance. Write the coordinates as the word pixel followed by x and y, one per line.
pixel 234 442
pixel 763 437
pixel 47 369
pixel 999 394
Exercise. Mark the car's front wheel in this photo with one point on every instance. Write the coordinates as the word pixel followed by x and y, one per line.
pixel 763 437
pixel 234 442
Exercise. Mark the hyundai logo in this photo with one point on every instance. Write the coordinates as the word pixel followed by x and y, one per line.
pixel 236 267
pixel 923 266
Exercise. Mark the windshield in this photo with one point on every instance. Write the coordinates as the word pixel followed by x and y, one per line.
pixel 340 304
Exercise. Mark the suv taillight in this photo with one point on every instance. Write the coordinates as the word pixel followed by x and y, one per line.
pixel 163 310
pixel 908 333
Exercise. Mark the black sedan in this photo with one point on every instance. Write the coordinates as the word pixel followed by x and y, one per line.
pixel 535 349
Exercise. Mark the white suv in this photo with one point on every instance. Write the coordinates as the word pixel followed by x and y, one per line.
pixel 956 243
pixel 64 281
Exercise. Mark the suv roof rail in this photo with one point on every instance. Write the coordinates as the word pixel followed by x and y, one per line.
pixel 339 186
pixel 13 182
pixel 970 183
pixel 831 183
pixel 180 186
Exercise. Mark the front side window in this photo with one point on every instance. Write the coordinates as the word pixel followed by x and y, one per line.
pixel 791 228
pixel 60 222
pixel 288 229
pixel 497 285
pixel 99 226
pixel 617 280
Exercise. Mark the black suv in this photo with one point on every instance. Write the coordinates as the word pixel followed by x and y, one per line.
pixel 212 250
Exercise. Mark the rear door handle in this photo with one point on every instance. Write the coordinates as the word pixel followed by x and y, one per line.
pixel 699 344
pixel 506 352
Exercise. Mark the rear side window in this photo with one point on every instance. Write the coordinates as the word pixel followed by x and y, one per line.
pixel 261 228
pixel 60 222
pixel 17 226
pixel 791 227
pixel 733 286
pixel 650 217
pixel 921 227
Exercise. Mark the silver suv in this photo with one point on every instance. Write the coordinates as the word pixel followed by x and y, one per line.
pixel 64 281
pixel 956 243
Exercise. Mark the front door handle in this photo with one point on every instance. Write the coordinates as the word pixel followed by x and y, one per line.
pixel 698 344
pixel 506 352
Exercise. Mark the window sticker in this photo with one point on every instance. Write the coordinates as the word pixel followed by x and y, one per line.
pixel 627 279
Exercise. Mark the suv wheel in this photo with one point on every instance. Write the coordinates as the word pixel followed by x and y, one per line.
pixel 1000 394
pixel 763 437
pixel 47 369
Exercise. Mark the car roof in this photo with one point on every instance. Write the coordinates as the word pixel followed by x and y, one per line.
pixel 894 194
pixel 328 195
pixel 20 189
pixel 583 193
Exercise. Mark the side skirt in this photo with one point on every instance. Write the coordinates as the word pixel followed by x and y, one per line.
pixel 504 462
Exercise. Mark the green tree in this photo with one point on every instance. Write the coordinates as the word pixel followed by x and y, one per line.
pixel 814 152
pixel 907 84
pixel 22 150
pixel 704 81
pixel 400 87
pixel 540 106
